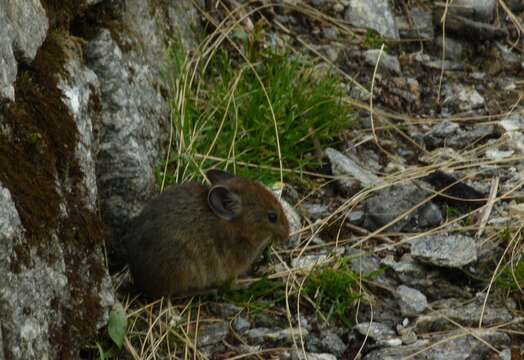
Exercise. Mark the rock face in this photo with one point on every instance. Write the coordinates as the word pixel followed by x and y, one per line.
pixel 374 14
pixel 23 30
pixel 82 124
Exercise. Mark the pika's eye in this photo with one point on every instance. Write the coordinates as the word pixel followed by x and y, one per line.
pixel 272 216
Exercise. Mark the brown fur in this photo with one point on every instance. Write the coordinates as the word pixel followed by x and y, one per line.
pixel 178 245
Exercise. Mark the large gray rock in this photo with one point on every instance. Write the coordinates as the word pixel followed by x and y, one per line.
pixel 71 129
pixel 7 61
pixel 29 27
pixel 130 130
pixel 373 14
pixel 452 251
pixel 23 27
pixel 134 115
pixel 54 289
pixel 390 203
pixel 465 312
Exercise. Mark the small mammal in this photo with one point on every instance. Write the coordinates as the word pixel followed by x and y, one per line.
pixel 192 237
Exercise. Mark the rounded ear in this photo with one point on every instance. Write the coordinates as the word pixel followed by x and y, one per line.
pixel 224 203
pixel 218 176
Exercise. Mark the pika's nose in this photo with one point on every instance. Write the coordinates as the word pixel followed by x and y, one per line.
pixel 283 234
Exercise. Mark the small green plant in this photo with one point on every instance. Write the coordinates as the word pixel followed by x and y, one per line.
pixel 248 114
pixel 110 345
pixel 259 296
pixel 452 212
pixel 511 278
pixel 373 40
pixel 334 290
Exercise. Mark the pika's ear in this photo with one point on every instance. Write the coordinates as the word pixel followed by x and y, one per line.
pixel 224 203
pixel 218 176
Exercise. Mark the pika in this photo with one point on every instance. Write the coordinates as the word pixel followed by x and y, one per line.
pixel 191 237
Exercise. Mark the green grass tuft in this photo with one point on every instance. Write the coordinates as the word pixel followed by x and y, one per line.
pixel 334 291
pixel 259 296
pixel 227 114
pixel 373 40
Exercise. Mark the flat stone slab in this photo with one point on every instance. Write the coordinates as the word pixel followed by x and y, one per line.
pixel 453 251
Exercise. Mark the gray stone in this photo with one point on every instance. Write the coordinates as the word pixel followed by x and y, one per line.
pixel 29 25
pixel 363 264
pixel 452 251
pixel 387 61
pixel 389 203
pixel 225 310
pixel 284 336
pixel 256 335
pixel 469 136
pixel 482 10
pixel 295 222
pixel 332 343
pixel 241 324
pixel 8 67
pixel 408 337
pixel 505 354
pixel 411 301
pixel 343 166
pixel 377 331
pixel 440 133
pixel 212 334
pixel 453 49
pixel 319 4
pixel 475 31
pixel 452 345
pixel 356 217
pixel 330 32
pixel 430 216
pixel 450 134
pixel 130 132
pixel 79 90
pixel 49 277
pixel 447 65
pixel 308 262
pixel 512 122
pixel 464 97
pixel 316 356
pixel 23 27
pixel 135 116
pixel 419 26
pixel 373 14
pixel 408 270
pixel 316 211
pixel 465 312
pixel 506 54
